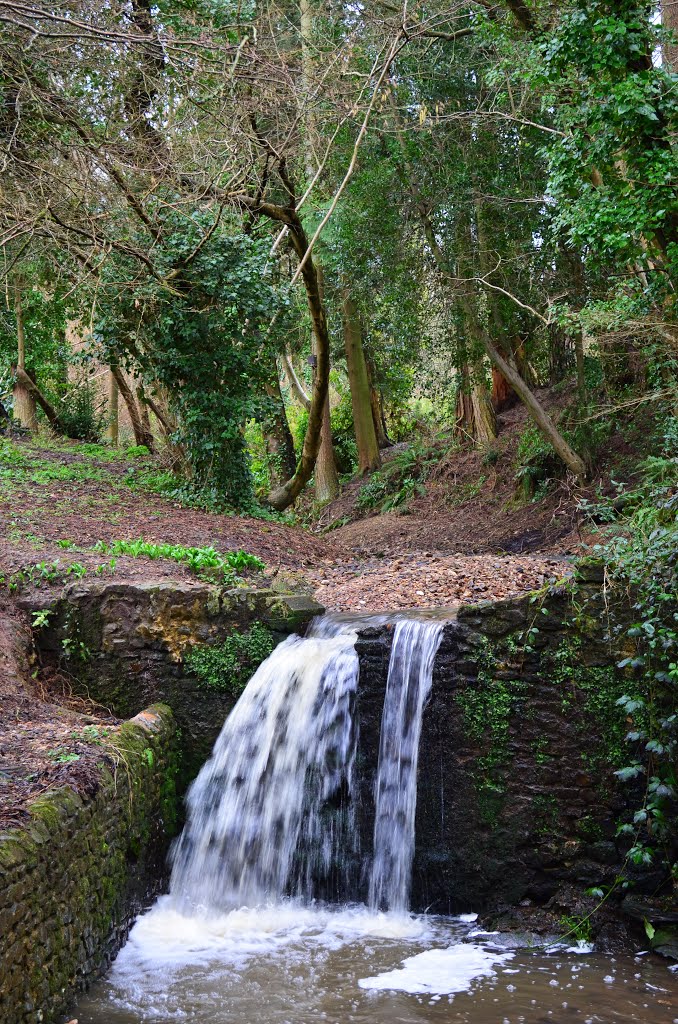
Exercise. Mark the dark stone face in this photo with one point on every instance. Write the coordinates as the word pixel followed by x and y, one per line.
pixel 521 735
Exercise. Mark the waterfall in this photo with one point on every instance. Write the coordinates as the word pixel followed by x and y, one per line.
pixel 410 672
pixel 271 813
pixel 258 826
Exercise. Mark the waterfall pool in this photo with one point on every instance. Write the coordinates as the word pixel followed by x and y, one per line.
pixel 289 964
pixel 273 812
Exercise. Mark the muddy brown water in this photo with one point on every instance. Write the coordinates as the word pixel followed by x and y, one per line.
pixel 291 965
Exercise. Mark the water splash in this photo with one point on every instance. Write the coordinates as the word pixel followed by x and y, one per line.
pixel 415 644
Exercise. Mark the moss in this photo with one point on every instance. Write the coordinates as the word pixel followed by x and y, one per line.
pixel 489 706
pixel 545 815
pixel 595 690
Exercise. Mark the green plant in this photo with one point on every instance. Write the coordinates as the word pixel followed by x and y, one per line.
pixel 577 927
pixel 400 480
pixel 228 666
pixel 536 464
pixel 202 561
pixel 41 618
pixel 81 412
pixel 641 557
pixel 75 648
pixel 62 756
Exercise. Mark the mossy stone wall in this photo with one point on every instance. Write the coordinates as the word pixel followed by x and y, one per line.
pixel 73 878
pixel 125 645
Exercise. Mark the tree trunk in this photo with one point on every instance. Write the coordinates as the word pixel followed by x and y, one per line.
pixel 561 354
pixel 536 410
pixel 579 356
pixel 503 394
pixel 377 403
pixel 475 415
pixel 669 10
pixel 326 476
pixel 112 431
pixel 296 387
pixel 281 497
pixel 363 423
pixel 24 397
pixel 50 412
pixel 145 418
pixel 140 434
pixel 278 437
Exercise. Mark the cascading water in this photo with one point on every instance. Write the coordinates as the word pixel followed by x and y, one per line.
pixel 258 823
pixel 410 672
pixel 269 815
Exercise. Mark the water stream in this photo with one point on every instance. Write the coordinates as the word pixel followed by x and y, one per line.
pixel 254 930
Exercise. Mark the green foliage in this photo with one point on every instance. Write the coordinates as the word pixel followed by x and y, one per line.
pixel 343 436
pixel 536 462
pixel 49 573
pixel 577 927
pixel 45 314
pixel 642 555
pixel 40 618
pixel 617 109
pixel 81 412
pixel 228 666
pixel 61 756
pixel 204 562
pixel 487 709
pixel 209 335
pixel 400 480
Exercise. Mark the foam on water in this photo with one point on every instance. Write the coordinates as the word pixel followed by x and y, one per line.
pixel 439 971
pixel 164 938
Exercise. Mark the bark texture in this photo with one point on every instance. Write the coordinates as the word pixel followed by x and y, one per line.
pixel 24 397
pixel 363 422
pixel 278 437
pixel 141 435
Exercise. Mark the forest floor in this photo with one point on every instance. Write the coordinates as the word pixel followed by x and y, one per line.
pixel 466 538
pixel 463 536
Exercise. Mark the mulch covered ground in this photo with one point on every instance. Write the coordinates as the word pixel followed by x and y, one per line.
pixel 426 580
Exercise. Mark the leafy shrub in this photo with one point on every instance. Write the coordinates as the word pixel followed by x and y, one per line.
pixel 82 414
pixel 536 464
pixel 641 558
pixel 398 482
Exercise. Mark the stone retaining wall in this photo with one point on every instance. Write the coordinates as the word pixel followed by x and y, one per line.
pixel 521 737
pixel 125 644
pixel 72 880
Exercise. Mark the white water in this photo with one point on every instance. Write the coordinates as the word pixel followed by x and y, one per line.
pixel 410 671
pixel 258 827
